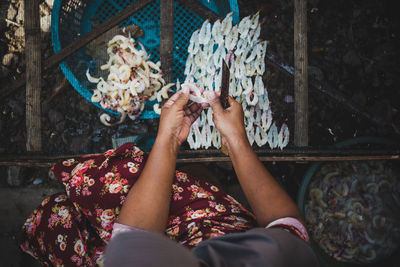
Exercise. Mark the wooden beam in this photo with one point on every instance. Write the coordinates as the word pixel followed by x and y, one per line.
pixel 200 9
pixel 33 58
pixel 79 43
pixel 301 74
pixel 302 155
pixel 394 150
pixel 294 158
pixel 49 163
pixel 167 38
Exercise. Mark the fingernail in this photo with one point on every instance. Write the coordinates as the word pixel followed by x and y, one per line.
pixel 185 90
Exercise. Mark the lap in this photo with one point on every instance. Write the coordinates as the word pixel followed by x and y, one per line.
pixel 96 188
pixel 56 233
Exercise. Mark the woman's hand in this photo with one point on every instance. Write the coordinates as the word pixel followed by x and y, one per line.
pixel 229 122
pixel 177 115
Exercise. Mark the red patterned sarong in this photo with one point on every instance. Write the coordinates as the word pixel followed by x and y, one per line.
pixel 73 228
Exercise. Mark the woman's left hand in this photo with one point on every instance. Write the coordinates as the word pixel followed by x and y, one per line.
pixel 177 115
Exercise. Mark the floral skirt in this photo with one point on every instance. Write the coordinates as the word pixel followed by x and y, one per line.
pixel 73 228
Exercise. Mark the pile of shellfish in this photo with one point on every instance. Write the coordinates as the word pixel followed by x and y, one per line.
pixel 353 210
pixel 240 46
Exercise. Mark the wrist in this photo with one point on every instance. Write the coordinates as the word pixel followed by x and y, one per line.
pixel 238 143
pixel 168 142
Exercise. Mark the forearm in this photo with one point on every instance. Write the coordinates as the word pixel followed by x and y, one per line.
pixel 147 204
pixel 266 197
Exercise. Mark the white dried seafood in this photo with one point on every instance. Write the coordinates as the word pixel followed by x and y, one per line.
pixel 240 47
pixel 132 79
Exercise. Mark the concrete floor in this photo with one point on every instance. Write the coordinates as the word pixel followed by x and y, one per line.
pixel 15 206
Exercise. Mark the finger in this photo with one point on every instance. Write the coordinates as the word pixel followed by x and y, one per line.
pixel 232 103
pixel 183 98
pixel 194 116
pixel 231 100
pixel 187 111
pixel 172 99
pixel 214 102
pixel 195 107
pixel 185 130
pixel 190 103
pixel 198 111
pixel 193 111
pixel 205 105
pixel 200 88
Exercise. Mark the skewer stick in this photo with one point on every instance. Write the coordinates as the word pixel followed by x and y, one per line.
pixel 301 74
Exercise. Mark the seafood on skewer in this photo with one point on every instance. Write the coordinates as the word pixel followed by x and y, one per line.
pixel 239 45
pixel 205 33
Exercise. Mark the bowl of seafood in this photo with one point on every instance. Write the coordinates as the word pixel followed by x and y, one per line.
pixel 352 211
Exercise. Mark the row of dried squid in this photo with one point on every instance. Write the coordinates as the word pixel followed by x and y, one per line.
pixel 239 45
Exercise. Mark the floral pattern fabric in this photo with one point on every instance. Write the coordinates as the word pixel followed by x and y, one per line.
pixel 72 228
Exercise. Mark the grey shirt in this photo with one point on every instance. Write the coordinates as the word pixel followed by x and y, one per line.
pixel 257 247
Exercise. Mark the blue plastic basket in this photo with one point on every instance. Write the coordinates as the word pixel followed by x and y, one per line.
pixel 73 18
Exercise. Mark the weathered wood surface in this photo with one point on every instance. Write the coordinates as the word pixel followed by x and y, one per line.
pixel 79 43
pixel 167 38
pixel 33 75
pixel 47 164
pixel 293 155
pixel 300 74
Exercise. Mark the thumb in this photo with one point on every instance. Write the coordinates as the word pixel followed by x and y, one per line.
pixel 214 102
pixel 183 98
pixel 232 102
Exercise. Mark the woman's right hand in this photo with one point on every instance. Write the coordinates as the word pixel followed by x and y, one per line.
pixel 229 122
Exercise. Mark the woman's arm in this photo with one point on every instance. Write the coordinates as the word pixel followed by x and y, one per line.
pixel 147 204
pixel 266 197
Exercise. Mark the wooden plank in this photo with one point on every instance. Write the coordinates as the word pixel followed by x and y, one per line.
pixel 217 152
pixel 49 163
pixel 303 155
pixel 294 158
pixel 167 38
pixel 200 9
pixel 33 58
pixel 301 74
pixel 288 152
pixel 80 42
